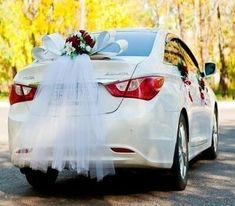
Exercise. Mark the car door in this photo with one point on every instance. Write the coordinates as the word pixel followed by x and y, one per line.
pixel 175 55
pixel 199 120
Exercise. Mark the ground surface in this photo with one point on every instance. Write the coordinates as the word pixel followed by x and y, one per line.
pixel 210 182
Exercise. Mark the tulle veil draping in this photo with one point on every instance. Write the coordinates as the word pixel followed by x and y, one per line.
pixel 64 127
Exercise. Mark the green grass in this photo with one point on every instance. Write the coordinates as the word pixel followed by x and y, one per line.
pixel 3 96
pixel 229 97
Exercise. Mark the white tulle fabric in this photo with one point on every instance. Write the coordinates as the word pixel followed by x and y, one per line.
pixel 65 127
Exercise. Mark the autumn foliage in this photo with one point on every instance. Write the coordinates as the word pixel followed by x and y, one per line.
pixel 208 26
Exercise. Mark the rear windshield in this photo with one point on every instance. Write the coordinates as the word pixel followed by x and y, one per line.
pixel 140 43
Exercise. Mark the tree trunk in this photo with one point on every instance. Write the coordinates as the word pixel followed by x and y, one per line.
pixel 223 70
pixel 198 29
pixel 180 19
pixel 157 23
pixel 13 72
pixel 201 39
pixel 82 24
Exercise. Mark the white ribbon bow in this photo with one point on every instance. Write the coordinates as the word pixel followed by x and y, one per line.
pixel 53 46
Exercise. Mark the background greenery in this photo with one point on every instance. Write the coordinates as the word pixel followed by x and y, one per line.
pixel 207 26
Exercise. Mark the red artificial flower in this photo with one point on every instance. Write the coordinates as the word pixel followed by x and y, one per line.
pixel 89 40
pixel 202 84
pixel 190 96
pixel 187 82
pixel 202 96
pixel 75 41
pixel 82 32
pixel 80 43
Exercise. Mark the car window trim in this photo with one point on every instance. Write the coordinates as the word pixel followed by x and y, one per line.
pixel 186 48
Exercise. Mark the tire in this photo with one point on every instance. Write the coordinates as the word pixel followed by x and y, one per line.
pixel 212 152
pixel 40 180
pixel 180 164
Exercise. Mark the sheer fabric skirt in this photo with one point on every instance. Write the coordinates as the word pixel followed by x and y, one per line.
pixel 64 127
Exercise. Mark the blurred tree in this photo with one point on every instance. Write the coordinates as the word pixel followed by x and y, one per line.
pixel 22 25
pixel 82 23
pixel 223 69
pixel 208 26
pixel 14 42
pixel 108 14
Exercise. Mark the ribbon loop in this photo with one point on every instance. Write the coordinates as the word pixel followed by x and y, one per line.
pixel 54 43
pixel 53 46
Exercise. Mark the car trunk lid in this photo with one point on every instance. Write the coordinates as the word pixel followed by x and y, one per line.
pixel 105 72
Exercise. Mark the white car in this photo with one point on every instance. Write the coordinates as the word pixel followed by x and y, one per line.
pixel 158 110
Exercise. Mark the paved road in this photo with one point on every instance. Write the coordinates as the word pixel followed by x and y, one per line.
pixel 210 182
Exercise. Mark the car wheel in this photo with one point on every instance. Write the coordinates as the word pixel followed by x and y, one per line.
pixel 180 165
pixel 212 151
pixel 39 179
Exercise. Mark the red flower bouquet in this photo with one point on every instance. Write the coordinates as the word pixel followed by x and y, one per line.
pixel 77 43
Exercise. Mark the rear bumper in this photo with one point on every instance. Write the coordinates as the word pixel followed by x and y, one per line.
pixel 150 133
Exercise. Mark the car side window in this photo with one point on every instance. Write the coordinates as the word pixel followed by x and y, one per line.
pixel 172 54
pixel 178 54
pixel 192 69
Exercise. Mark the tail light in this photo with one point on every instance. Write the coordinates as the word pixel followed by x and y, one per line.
pixel 21 93
pixel 141 88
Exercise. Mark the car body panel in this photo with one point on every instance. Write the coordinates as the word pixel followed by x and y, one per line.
pixel 148 128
